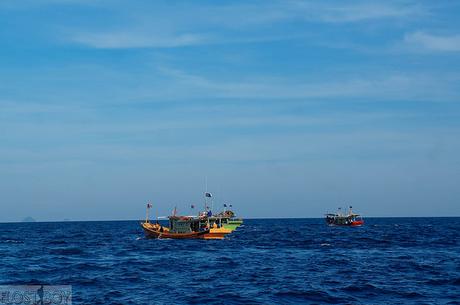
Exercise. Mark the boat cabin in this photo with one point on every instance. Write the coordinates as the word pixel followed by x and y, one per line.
pixel 186 224
pixel 344 220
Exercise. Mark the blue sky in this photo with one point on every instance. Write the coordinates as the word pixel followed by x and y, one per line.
pixel 290 108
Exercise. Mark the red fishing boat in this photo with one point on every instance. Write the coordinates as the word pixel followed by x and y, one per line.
pixel 350 219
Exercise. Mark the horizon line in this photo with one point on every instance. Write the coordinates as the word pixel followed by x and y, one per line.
pixel 250 218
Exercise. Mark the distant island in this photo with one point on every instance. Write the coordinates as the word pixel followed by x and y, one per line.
pixel 28 219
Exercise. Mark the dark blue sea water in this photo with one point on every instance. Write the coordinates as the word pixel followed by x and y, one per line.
pixel 283 261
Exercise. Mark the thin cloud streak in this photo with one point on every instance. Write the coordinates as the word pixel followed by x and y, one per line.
pixel 166 123
pixel 182 28
pixel 269 147
pixel 392 87
pixel 343 12
pixel 135 39
pixel 431 42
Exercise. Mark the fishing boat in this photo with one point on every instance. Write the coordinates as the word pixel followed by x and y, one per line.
pixel 339 219
pixel 179 227
pixel 205 225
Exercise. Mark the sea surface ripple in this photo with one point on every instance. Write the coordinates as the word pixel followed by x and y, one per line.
pixel 266 261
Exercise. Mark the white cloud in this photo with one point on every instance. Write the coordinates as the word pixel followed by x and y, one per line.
pixel 433 42
pixel 389 87
pixel 138 39
pixel 186 25
pixel 28 4
pixel 354 11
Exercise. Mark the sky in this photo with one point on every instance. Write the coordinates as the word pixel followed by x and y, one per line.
pixel 286 108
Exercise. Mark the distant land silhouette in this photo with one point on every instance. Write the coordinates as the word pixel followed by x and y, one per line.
pixel 28 219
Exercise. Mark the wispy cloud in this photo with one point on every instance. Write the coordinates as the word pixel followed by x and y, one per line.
pixel 431 42
pixel 191 25
pixel 115 40
pixel 269 146
pixel 341 12
pixel 388 86
pixel 27 4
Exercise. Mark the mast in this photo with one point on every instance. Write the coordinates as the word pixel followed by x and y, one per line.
pixel 212 204
pixel 205 192
pixel 147 213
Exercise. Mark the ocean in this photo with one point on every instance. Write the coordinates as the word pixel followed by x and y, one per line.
pixel 266 261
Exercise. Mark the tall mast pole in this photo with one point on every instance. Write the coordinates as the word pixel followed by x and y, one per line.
pixel 205 191
pixel 147 214
pixel 212 203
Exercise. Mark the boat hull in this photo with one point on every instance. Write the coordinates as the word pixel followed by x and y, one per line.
pixel 357 223
pixel 217 233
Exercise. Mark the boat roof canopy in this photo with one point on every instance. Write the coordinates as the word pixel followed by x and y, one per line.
pixel 185 218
